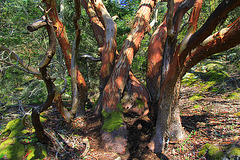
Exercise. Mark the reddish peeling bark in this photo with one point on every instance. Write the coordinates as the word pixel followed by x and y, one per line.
pixel 155 58
pixel 108 50
pixel 66 49
pixel 169 91
pixel 169 84
pixel 77 109
pixel 175 129
pixel 97 26
pixel 99 30
pixel 220 41
pixel 116 84
pixel 114 88
pixel 154 62
pixel 172 33
pixel 209 26
pixel 193 40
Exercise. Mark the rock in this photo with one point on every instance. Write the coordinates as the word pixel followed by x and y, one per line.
pixel 12 149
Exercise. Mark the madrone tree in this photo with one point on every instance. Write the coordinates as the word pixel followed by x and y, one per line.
pixel 167 62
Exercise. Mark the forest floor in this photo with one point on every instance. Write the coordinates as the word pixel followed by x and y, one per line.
pixel 207 116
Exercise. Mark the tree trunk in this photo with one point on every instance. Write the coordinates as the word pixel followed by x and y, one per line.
pixel 66 48
pixel 39 131
pixel 176 131
pixel 173 71
pixel 113 91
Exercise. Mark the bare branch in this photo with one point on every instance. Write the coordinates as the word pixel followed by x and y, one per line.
pixel 15 56
pixel 35 26
pixel 155 12
pixel 87 56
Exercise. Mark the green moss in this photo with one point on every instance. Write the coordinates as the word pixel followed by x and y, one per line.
pixel 217 75
pixel 12 149
pixel 43 119
pixel 204 149
pixel 196 106
pixel 234 96
pixel 25 131
pixel 215 153
pixel 112 120
pixel 234 151
pixel 237 114
pixel 214 89
pixel 36 152
pixel 13 128
pixel 189 79
pixel 214 66
pixel 195 97
pixel 208 85
pixel 119 107
pixel 140 103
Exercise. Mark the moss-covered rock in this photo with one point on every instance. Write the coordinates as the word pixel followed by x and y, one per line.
pixel 214 66
pixel 217 75
pixel 13 128
pixel 212 152
pixel 12 149
pixel 233 152
pixel 216 152
pixel 234 96
pixel 36 151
